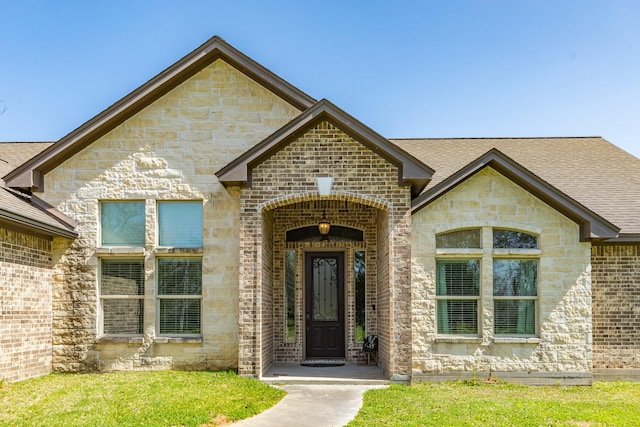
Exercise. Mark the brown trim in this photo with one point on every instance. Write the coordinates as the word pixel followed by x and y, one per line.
pixel 622 239
pixel 592 225
pixel 410 169
pixel 27 175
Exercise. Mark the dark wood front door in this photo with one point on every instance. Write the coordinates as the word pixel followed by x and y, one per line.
pixel 324 311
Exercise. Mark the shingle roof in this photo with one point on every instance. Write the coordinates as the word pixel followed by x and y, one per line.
pixel 590 170
pixel 22 209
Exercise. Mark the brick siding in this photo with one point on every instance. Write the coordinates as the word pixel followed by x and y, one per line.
pixel 25 306
pixel 616 306
pixel 361 177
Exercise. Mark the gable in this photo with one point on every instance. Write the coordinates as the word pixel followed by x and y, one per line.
pixel 589 170
pixel 31 174
pixel 411 171
pixel 592 226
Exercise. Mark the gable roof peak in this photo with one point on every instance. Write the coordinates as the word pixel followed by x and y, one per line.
pixel 592 225
pixel 410 169
pixel 30 175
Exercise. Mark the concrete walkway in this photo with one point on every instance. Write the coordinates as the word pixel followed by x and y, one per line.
pixel 312 405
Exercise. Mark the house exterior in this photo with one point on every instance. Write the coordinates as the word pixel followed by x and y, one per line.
pixel 178 229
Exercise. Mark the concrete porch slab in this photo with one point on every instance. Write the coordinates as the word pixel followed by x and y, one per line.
pixel 348 374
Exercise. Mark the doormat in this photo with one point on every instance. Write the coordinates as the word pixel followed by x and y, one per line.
pixel 322 364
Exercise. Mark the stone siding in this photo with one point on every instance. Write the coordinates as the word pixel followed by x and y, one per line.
pixel 360 176
pixel 25 306
pixel 563 339
pixel 168 151
pixel 616 306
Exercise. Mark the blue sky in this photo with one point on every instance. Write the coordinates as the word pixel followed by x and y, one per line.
pixel 405 68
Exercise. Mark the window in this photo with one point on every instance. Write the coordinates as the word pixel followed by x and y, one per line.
pixel 179 295
pixel 178 267
pixel 512 288
pixel 509 239
pixel 122 223
pixel 457 294
pixel 361 297
pixel 459 239
pixel 121 296
pixel 290 295
pixel 180 224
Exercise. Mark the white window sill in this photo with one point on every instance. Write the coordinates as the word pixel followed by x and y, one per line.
pixel 139 339
pixel 516 340
pixel 458 339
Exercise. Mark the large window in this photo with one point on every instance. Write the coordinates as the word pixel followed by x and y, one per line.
pixel 122 223
pixel 122 295
pixel 179 295
pixel 176 261
pixel 513 259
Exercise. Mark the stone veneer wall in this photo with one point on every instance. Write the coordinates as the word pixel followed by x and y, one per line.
pixel 303 214
pixel 168 151
pixel 25 305
pixel 563 348
pixel 616 306
pixel 360 176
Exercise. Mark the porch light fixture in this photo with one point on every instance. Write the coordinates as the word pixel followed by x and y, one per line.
pixel 324 184
pixel 323 226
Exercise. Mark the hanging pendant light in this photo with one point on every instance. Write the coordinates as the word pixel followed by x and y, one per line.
pixel 323 226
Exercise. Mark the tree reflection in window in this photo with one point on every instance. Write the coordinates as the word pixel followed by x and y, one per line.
pixel 122 223
pixel 459 239
pixel 509 239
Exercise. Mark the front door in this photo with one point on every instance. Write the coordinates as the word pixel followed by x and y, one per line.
pixel 324 311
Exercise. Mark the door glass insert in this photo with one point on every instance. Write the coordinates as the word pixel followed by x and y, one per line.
pixel 325 289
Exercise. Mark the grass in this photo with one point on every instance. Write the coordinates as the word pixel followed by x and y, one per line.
pixel 167 398
pixel 474 403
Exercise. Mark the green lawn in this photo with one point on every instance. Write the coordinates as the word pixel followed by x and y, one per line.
pixel 473 403
pixel 165 398
pixel 171 398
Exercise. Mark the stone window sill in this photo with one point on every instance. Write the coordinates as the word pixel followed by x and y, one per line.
pixel 175 250
pixel 458 339
pixel 517 340
pixel 120 250
pixel 139 340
